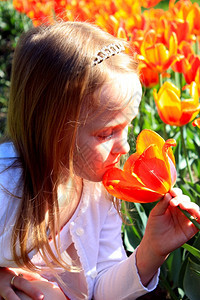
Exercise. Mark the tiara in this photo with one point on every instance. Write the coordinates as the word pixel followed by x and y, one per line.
pixel 107 52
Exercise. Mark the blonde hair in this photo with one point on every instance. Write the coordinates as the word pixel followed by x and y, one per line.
pixel 52 77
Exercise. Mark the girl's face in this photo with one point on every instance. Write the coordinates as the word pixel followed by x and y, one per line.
pixel 103 138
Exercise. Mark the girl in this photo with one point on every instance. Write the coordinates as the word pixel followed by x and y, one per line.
pixel 73 94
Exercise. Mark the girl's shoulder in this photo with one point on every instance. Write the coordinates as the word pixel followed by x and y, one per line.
pixel 10 199
pixel 10 173
pixel 7 151
pixel 8 157
pixel 10 170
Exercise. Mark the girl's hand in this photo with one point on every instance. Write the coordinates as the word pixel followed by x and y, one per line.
pixel 167 229
pixel 21 283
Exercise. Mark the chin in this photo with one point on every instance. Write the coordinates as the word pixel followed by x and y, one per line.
pixel 92 177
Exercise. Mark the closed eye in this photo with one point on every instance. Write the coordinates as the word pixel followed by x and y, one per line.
pixel 110 132
pixel 105 135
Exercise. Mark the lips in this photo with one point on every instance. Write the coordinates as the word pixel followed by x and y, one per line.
pixel 114 163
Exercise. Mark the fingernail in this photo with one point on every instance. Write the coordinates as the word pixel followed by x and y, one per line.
pixel 40 297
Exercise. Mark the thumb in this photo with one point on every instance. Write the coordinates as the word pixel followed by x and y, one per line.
pixel 161 206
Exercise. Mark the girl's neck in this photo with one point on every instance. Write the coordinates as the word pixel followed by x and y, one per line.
pixel 69 195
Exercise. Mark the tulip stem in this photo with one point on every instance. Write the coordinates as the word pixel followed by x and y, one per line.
pixel 160 80
pixel 151 102
pixel 186 154
pixel 164 125
pixel 186 213
pixel 177 79
pixel 181 77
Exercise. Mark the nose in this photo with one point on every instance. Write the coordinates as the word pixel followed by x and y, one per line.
pixel 121 145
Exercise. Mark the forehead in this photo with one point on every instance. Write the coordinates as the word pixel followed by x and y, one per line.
pixel 119 97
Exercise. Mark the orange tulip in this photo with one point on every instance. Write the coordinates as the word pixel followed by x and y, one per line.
pixel 155 54
pixel 148 174
pixel 171 109
pixel 196 122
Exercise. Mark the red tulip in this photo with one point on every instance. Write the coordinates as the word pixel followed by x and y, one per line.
pixel 196 122
pixel 149 77
pixel 149 3
pixel 148 174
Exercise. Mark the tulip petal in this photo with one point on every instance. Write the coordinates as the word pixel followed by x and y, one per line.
pixel 152 169
pixel 173 44
pixel 188 116
pixel 162 54
pixel 194 92
pixel 170 160
pixel 128 166
pixel 149 40
pixel 168 150
pixel 123 186
pixel 169 85
pixel 172 172
pixel 133 194
pixel 146 138
pixel 114 175
pixel 196 122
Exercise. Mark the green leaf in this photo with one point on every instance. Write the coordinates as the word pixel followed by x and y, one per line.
pixel 142 215
pixel 191 282
pixel 194 251
pixel 174 262
pixel 131 239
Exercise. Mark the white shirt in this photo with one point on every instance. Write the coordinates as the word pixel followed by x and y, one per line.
pixel 92 235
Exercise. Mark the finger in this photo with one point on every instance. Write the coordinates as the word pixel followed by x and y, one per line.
pixel 25 286
pixel 187 205
pixel 183 199
pixel 192 208
pixel 176 192
pixel 9 294
pixel 30 276
pixel 161 206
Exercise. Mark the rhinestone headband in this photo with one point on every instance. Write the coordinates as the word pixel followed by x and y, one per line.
pixel 107 52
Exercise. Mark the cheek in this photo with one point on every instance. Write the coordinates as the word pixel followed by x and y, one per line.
pixel 93 155
pixel 100 154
